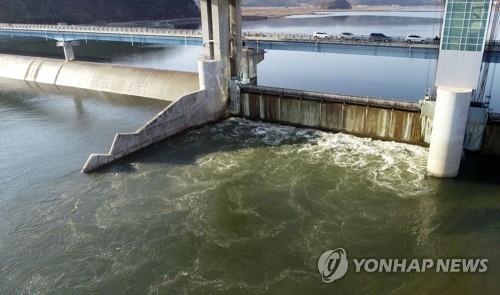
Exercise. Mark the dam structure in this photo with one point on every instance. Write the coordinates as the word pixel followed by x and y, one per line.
pixel 450 119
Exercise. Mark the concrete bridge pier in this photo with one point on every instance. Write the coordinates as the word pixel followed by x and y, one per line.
pixel 236 36
pixel 69 53
pixel 448 134
pixel 459 70
pixel 249 60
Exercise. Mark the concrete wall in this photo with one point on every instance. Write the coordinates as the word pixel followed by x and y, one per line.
pixel 189 111
pixel 379 119
pixel 491 142
pixel 177 117
pixel 367 118
pixel 151 83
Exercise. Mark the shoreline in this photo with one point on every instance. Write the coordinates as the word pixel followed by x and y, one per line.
pixel 279 12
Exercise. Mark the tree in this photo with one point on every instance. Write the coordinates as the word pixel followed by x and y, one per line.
pixel 339 4
pixel 94 11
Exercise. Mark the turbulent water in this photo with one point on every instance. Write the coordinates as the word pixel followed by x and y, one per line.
pixel 238 207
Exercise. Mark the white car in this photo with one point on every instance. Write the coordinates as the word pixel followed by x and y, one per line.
pixel 414 39
pixel 348 36
pixel 320 35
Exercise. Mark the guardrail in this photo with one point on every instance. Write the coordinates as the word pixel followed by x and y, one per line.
pixel 175 32
pixel 102 30
pixel 335 38
pixel 251 36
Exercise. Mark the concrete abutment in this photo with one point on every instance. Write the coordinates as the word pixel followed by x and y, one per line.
pixel 68 48
pixel 221 60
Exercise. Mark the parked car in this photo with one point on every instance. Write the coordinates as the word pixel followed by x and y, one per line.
pixel 414 39
pixel 320 35
pixel 379 37
pixel 348 36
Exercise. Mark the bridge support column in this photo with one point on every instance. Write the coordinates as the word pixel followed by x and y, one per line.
pixel 236 36
pixel 222 39
pixel 458 76
pixel 216 61
pixel 69 53
pixel 249 60
pixel 448 132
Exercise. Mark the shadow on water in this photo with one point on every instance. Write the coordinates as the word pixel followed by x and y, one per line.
pixel 480 168
pixel 471 221
pixel 198 145
pixel 469 204
pixel 87 51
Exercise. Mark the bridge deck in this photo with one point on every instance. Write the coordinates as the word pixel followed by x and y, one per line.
pixel 269 41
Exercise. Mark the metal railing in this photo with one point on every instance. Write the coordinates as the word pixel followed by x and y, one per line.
pixel 358 39
pixel 101 30
pixel 186 33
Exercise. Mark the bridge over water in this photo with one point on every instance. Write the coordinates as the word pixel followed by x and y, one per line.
pixel 256 40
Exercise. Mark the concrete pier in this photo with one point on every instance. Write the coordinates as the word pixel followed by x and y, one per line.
pixel 491 142
pixel 448 134
pixel 458 76
pixel 67 46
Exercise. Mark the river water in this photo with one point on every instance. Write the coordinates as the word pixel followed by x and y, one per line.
pixel 238 207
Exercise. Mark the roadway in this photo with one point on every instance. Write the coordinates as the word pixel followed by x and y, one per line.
pixel 267 41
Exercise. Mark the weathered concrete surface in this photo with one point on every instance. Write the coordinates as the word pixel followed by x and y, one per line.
pixel 362 116
pixel 478 119
pixel 67 46
pixel 15 67
pixel 210 104
pixel 426 119
pixel 448 131
pixel 175 118
pixel 491 142
pixel 150 83
pixel 249 60
pixel 189 111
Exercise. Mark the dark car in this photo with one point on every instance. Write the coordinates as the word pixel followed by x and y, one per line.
pixel 379 37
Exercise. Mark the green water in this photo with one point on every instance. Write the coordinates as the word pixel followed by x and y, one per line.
pixel 239 207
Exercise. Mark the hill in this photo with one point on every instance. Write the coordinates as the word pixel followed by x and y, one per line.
pixel 92 11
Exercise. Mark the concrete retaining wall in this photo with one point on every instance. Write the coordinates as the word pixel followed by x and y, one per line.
pixel 491 142
pixel 379 119
pixel 189 111
pixel 398 121
pixel 151 83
